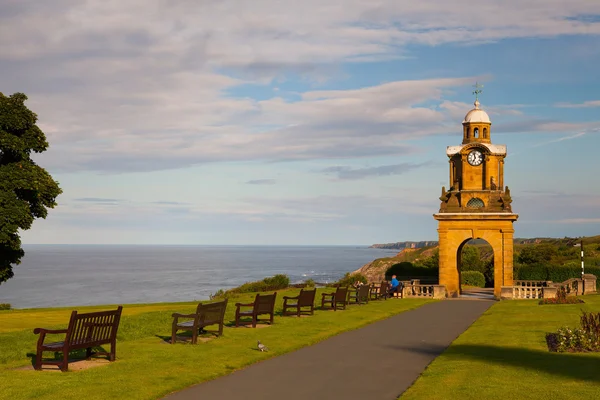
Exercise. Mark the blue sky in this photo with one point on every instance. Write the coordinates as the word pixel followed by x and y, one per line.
pixel 266 122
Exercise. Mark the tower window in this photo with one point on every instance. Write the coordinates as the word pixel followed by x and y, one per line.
pixel 476 133
pixel 475 202
pixel 485 133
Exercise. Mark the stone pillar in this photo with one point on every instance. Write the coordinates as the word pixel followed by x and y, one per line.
pixel 506 293
pixel 589 283
pixel 439 292
pixel 448 265
pixel 549 292
pixel 507 251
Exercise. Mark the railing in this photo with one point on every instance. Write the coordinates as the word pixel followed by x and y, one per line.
pixel 527 292
pixel 572 286
pixel 541 289
pixel 532 283
pixel 418 291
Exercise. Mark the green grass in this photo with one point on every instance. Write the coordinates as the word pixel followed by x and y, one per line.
pixel 147 367
pixel 504 355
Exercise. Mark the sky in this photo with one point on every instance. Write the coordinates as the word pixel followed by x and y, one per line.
pixel 301 122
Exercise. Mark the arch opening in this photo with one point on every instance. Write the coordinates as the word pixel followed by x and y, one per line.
pixel 476 133
pixel 475 256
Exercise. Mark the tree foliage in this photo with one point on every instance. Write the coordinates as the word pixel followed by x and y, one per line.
pixel 26 189
pixel 470 259
pixel 430 262
pixel 541 253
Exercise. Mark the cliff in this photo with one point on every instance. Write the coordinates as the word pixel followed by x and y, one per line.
pixel 375 270
pixel 404 245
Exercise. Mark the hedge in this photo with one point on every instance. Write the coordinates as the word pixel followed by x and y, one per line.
pixel 472 278
pixel 553 273
pixel 407 269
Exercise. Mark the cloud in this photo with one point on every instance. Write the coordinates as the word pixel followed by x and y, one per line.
pixel 371 121
pixel 585 104
pixel 170 203
pixel 261 182
pixel 537 207
pixel 561 139
pixel 97 200
pixel 579 221
pixel 348 173
pixel 125 86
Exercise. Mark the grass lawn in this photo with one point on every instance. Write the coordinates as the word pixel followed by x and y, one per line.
pixel 504 355
pixel 147 367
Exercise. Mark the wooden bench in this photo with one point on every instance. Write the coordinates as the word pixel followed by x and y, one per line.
pixel 359 295
pixel 264 304
pixel 205 315
pixel 335 300
pixel 306 298
pixel 85 331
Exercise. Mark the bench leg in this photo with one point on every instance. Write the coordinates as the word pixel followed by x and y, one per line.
pixel 38 361
pixel 173 334
pixel 88 353
pixel 64 367
pixel 113 351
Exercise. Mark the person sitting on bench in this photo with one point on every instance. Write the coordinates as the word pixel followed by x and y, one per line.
pixel 395 286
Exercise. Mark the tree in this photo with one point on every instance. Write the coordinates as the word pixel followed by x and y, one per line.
pixel 26 189
pixel 470 259
pixel 541 253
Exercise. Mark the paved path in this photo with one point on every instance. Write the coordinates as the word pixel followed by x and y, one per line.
pixel 478 293
pixel 375 362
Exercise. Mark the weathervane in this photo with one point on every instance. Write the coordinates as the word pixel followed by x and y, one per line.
pixel 477 90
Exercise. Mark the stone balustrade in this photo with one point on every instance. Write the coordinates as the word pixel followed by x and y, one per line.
pixel 523 289
pixel 532 283
pixel 417 290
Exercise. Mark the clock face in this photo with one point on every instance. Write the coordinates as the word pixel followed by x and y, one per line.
pixel 475 157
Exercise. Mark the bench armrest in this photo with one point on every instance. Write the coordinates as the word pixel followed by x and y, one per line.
pixel 244 304
pixel 44 331
pixel 327 294
pixel 291 298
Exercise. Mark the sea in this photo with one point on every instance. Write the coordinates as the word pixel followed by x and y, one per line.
pixel 71 275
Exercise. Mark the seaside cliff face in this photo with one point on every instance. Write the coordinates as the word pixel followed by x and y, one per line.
pixel 404 245
pixel 375 270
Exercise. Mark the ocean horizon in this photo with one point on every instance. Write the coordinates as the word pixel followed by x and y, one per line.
pixel 62 275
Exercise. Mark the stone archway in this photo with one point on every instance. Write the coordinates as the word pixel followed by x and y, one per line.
pixel 455 229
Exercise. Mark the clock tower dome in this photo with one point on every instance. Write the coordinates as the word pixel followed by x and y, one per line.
pixel 477 205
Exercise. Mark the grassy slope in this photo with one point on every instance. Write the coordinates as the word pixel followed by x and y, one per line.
pixel 147 367
pixel 504 355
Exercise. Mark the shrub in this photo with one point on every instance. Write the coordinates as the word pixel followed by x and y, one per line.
pixel 276 282
pixel 584 338
pixel 350 280
pixel 279 281
pixel 309 283
pixel 472 278
pixel 4 306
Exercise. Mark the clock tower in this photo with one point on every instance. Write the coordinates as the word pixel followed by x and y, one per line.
pixel 476 205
